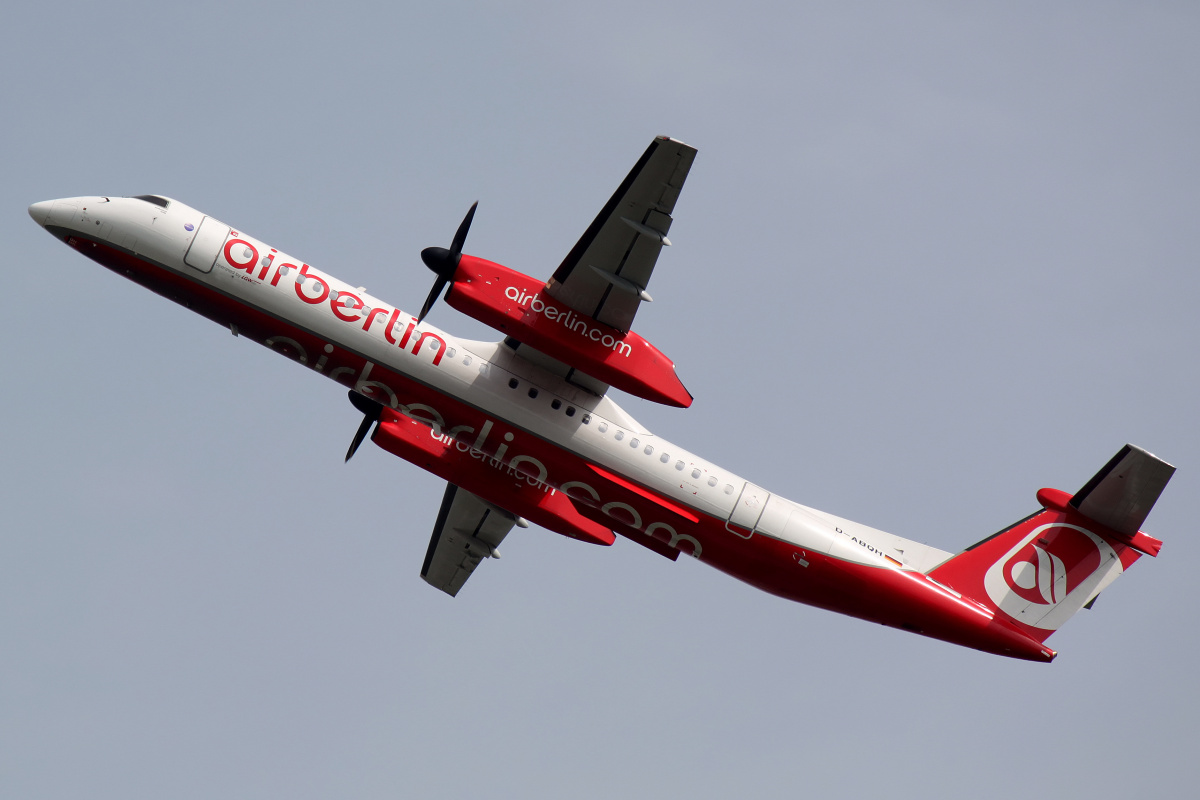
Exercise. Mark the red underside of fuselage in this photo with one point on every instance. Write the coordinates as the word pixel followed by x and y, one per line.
pixel 898 598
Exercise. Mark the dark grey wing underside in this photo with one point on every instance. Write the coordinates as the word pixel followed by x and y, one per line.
pixel 606 273
pixel 468 530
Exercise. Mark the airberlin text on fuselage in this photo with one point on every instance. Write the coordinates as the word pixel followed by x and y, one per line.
pixel 568 319
pixel 312 289
pixel 244 256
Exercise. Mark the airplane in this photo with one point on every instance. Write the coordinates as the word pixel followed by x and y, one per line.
pixel 524 430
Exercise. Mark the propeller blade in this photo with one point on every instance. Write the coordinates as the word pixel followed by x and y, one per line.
pixel 438 285
pixel 363 428
pixel 443 262
pixel 371 409
pixel 460 236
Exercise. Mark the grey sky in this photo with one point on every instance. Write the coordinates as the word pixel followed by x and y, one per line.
pixel 930 258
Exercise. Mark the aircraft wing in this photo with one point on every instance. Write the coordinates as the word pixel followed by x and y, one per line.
pixel 605 274
pixel 468 530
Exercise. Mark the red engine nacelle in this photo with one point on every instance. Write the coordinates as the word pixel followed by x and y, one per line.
pixel 518 306
pixel 476 472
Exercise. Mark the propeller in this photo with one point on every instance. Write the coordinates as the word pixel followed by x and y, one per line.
pixel 371 410
pixel 443 262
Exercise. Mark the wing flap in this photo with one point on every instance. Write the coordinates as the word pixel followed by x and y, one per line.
pixel 468 530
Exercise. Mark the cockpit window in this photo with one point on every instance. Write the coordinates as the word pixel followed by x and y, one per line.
pixel 161 202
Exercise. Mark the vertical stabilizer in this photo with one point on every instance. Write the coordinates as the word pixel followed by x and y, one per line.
pixel 1040 571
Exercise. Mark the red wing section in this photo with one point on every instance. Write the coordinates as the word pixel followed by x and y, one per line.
pixel 460 465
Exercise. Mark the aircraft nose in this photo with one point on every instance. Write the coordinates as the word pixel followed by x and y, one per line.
pixel 41 211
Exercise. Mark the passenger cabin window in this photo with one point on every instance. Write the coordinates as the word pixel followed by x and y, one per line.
pixel 602 427
pixel 664 458
pixel 695 473
pixel 570 411
pixel 729 488
pixel 679 466
pixel 513 383
pixel 649 449
pixel 712 481
pixel 556 404
pixel 633 442
pixel 619 435
pixel 152 199
pixel 533 393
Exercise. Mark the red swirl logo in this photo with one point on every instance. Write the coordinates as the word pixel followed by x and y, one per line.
pixel 1048 568
pixel 1049 573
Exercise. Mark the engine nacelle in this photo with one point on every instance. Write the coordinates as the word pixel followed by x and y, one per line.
pixel 476 472
pixel 518 306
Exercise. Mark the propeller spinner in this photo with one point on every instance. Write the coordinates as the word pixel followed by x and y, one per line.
pixel 443 262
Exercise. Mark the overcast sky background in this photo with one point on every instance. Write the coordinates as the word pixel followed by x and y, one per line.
pixel 929 259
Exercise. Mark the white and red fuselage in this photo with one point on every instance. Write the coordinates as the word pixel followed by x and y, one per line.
pixel 520 437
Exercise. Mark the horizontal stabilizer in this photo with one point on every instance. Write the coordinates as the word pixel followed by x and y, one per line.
pixel 1121 495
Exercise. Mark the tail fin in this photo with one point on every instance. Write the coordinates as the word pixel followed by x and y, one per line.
pixel 1039 572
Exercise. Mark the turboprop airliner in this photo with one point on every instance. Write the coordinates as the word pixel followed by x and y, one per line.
pixel 525 430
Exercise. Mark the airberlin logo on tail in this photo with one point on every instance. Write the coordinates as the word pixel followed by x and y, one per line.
pixel 1042 576
pixel 1044 568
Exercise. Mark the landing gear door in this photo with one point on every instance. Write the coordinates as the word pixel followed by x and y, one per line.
pixel 206 244
pixel 747 511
